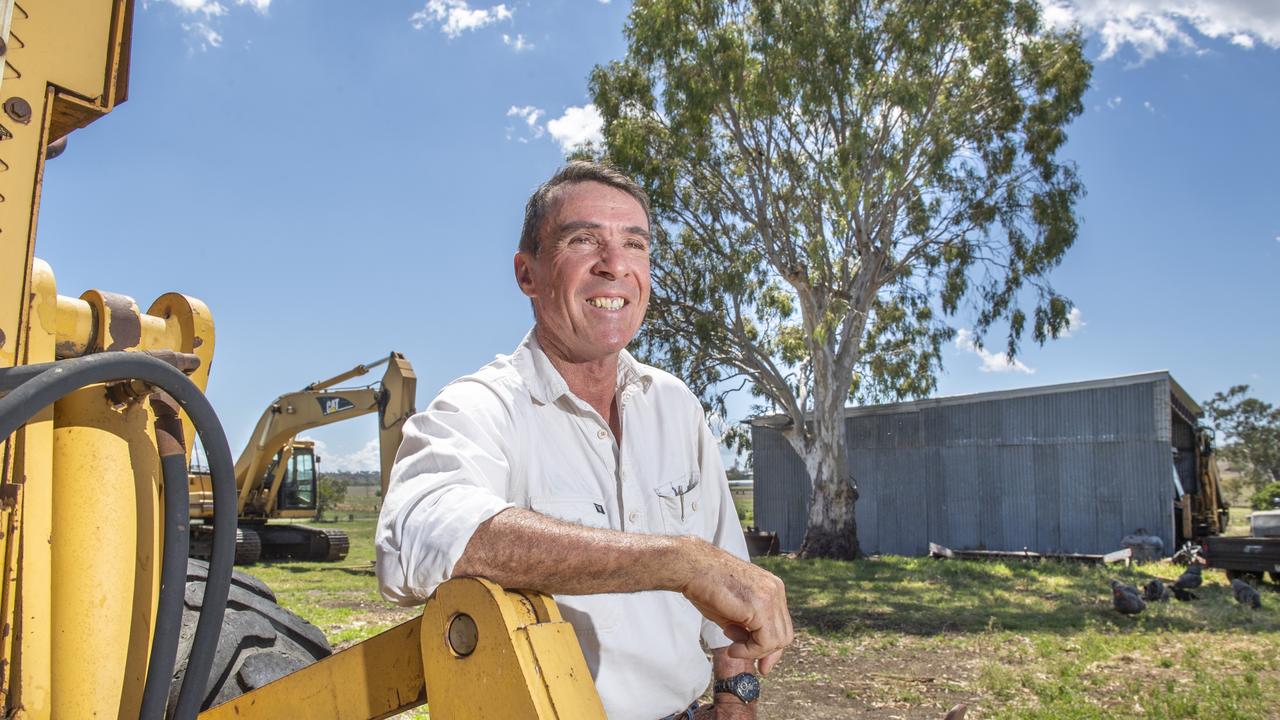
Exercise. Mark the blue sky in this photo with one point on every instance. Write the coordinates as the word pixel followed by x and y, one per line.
pixel 336 183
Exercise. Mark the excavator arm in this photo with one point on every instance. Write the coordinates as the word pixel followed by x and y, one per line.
pixel 320 404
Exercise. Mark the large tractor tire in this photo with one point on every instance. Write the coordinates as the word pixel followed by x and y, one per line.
pixel 260 640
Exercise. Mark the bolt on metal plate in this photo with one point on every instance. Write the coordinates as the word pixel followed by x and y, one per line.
pixel 463 635
pixel 18 109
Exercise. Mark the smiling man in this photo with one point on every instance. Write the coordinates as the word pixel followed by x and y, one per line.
pixel 570 468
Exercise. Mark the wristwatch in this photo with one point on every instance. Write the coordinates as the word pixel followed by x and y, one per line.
pixel 745 686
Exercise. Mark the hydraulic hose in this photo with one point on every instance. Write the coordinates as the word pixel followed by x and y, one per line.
pixel 57 380
pixel 177 541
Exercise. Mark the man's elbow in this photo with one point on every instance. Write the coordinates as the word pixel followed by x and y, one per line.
pixel 393 582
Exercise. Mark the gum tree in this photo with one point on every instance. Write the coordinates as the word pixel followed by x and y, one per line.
pixel 833 183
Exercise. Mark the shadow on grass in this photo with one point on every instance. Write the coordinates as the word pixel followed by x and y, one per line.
pixel 923 596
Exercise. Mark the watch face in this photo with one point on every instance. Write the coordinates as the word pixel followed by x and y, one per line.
pixel 747 687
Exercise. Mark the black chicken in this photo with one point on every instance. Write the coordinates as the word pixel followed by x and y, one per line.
pixel 1191 578
pixel 1245 594
pixel 1126 599
pixel 1155 591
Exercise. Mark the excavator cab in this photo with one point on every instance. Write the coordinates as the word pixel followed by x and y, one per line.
pixel 299 491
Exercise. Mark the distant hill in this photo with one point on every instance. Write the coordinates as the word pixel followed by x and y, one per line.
pixel 358 478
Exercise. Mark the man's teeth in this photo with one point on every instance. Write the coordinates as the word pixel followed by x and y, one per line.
pixel 612 303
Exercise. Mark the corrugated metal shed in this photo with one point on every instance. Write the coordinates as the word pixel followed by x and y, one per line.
pixel 1061 468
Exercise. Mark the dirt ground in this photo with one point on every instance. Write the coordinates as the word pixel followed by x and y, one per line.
pixel 820 680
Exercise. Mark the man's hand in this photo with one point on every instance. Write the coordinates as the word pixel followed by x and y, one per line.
pixel 748 602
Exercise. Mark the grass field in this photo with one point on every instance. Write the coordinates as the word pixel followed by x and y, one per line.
pixel 909 637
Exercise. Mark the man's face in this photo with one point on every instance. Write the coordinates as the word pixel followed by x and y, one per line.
pixel 589 281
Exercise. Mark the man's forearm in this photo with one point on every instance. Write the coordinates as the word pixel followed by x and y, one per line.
pixel 520 548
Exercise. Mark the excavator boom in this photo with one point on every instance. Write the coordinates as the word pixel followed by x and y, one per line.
pixel 274 457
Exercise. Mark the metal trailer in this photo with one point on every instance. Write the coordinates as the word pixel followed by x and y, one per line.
pixel 1070 468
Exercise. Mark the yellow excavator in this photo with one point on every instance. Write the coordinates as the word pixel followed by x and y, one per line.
pixel 276 474
pixel 103 613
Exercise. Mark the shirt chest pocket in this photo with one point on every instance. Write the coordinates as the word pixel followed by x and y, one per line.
pixel 578 509
pixel 679 498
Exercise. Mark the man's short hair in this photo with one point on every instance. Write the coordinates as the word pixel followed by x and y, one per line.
pixel 543 200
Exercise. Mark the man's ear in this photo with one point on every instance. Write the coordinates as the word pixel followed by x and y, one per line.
pixel 524 274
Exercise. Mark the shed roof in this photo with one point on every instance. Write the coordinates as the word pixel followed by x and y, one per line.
pixel 1180 396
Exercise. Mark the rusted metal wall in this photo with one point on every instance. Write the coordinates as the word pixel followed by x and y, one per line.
pixel 1069 468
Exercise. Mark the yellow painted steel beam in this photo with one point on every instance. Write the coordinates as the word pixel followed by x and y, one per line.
pixel 376 678
pixel 479 651
pixel 66 64
pixel 30 677
pixel 490 653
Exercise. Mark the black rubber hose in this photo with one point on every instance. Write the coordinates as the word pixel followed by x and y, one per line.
pixel 173 573
pixel 67 376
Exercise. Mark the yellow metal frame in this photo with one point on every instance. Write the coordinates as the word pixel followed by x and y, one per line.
pixel 521 661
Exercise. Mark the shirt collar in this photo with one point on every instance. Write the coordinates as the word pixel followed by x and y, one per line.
pixel 545 383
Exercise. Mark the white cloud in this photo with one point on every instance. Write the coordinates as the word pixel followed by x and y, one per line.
pixel 366 458
pixel 456 17
pixel 577 126
pixel 991 362
pixel 208 8
pixel 517 43
pixel 1114 102
pixel 1147 104
pixel 204 32
pixel 205 35
pixel 530 115
pixel 1152 27
pixel 1075 321
pixel 1243 40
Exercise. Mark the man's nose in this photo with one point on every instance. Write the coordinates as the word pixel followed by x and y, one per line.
pixel 612 261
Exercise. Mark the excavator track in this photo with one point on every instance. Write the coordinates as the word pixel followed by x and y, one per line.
pixel 248 544
pixel 248 547
pixel 302 542
pixel 329 545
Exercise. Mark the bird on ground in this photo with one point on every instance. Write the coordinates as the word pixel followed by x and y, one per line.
pixel 1126 599
pixel 1155 591
pixel 957 712
pixel 1183 595
pixel 1191 578
pixel 1131 589
pixel 1245 594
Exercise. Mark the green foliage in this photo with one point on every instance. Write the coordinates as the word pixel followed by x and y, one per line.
pixel 1268 498
pixel 331 490
pixel 1250 430
pixel 835 182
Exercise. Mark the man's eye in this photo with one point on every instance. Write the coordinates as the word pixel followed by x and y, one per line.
pixel 578 240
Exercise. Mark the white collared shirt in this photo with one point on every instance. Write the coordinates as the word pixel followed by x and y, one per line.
pixel 513 435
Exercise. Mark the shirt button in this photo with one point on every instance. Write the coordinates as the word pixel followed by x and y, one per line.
pixel 601 434
pixel 633 518
pixel 695 505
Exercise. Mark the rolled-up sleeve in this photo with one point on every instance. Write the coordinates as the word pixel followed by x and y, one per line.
pixel 451 473
pixel 727 531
